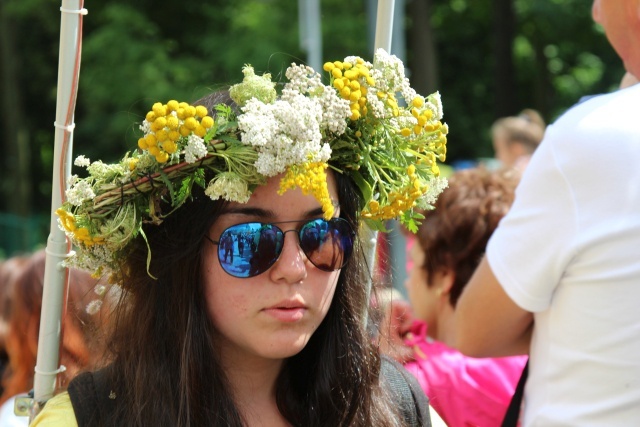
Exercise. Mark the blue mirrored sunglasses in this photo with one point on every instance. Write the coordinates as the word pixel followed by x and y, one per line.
pixel 251 248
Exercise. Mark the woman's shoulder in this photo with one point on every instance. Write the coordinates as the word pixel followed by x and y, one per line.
pixel 58 412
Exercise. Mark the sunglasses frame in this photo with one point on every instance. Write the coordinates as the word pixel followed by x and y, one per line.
pixel 346 254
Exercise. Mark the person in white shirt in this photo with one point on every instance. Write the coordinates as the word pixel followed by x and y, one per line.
pixel 561 277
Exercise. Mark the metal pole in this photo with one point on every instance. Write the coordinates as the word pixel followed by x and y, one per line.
pixel 384 27
pixel 310 28
pixel 53 298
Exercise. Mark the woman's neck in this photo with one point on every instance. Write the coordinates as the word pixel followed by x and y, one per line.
pixel 254 388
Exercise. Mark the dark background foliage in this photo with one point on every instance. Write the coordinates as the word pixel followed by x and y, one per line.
pixel 488 58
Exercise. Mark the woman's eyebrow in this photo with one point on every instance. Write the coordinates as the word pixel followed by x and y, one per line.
pixel 266 213
pixel 249 211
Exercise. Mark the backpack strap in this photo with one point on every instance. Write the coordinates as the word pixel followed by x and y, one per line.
pixel 512 415
pixel 93 400
pixel 405 389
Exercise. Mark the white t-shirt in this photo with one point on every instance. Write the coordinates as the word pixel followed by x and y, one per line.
pixel 8 418
pixel 569 251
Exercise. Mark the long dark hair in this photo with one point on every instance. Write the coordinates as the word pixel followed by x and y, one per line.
pixel 166 369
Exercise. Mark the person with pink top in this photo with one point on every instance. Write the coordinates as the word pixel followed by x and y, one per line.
pixel 450 242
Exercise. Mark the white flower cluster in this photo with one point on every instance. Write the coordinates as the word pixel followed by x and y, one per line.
pixel 335 110
pixel 228 186
pixel 436 186
pixel 435 103
pixel 82 161
pixel 284 133
pixel 79 192
pixel 290 130
pixel 195 149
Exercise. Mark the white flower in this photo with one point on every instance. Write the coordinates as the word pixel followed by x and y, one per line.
pixel 436 186
pixel 100 290
pixel 80 192
pixel 145 127
pixel 228 186
pixel 302 79
pixel 376 105
pixel 388 71
pixel 435 104
pixel 82 161
pixel 336 111
pixel 284 133
pixel 195 149
pixel 94 306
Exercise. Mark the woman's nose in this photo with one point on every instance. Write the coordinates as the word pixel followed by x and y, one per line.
pixel 291 266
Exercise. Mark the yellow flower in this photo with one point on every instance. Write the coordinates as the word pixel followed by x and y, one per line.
pixel 172 122
pixel 172 105
pixel 200 131
pixel 201 111
pixel 190 123
pixel 159 109
pixel 162 157
pixel 207 122
pixel 311 178
pixel 132 164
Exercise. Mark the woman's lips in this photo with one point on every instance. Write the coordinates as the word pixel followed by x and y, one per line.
pixel 287 311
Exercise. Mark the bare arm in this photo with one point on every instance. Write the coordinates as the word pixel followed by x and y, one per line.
pixel 487 321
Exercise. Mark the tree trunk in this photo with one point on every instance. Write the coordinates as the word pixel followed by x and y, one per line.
pixel 422 47
pixel 15 188
pixel 505 91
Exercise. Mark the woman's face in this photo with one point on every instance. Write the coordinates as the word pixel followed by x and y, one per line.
pixel 271 315
pixel 423 296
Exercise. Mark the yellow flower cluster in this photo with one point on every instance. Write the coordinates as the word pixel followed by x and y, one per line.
pixel 351 83
pixel 168 123
pixel 422 115
pixel 311 178
pixel 437 147
pixel 399 201
pixel 81 234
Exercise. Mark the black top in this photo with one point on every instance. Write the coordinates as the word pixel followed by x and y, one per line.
pixel 94 400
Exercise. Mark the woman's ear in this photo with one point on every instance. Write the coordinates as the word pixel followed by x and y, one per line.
pixel 443 281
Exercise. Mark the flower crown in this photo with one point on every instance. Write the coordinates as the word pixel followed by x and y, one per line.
pixel 367 123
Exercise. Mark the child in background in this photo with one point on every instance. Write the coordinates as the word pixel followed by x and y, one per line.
pixel 449 244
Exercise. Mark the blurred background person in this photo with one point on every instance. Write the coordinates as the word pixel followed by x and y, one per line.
pixel 82 345
pixel 450 243
pixel 628 80
pixel 515 138
pixel 9 270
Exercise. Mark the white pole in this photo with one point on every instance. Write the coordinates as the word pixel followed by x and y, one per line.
pixel 384 27
pixel 57 250
pixel 310 29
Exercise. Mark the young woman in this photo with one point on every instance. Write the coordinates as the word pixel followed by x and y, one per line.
pixel 450 242
pixel 273 335
pixel 83 344
pixel 515 138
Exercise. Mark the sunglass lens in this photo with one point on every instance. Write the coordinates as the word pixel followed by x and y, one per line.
pixel 327 244
pixel 246 250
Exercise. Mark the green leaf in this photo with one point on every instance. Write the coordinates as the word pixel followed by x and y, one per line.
pixel 169 185
pixel 376 225
pixel 363 185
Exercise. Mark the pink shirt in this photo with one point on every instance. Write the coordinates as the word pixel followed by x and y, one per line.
pixel 465 391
